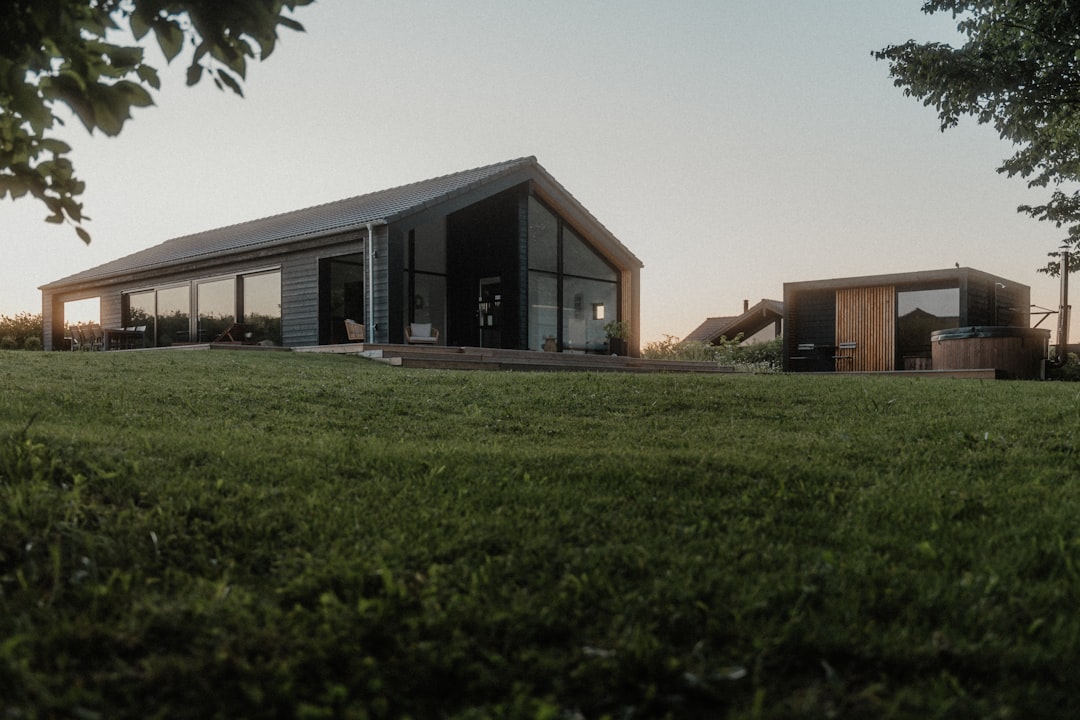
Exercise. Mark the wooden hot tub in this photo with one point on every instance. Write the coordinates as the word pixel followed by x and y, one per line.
pixel 1018 352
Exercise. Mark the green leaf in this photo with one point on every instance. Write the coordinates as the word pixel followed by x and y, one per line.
pixel 110 111
pixel 135 95
pixel 290 23
pixel 170 38
pixel 72 208
pixel 56 147
pixel 83 235
pixel 139 25
pixel 149 75
pixel 229 80
pixel 14 185
pixel 194 73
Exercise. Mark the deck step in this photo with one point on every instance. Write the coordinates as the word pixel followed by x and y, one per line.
pixel 466 358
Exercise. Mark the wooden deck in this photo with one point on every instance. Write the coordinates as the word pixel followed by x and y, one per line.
pixel 469 358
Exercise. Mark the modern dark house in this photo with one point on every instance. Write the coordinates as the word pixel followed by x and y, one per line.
pixel 500 256
pixel 884 322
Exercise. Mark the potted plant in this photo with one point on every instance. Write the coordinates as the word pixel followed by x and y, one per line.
pixel 617 332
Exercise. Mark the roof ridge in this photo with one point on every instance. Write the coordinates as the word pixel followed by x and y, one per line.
pixel 354 198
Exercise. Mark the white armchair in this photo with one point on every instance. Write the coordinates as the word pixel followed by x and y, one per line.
pixel 421 334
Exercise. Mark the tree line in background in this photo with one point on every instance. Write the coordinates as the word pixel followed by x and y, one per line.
pixel 22 332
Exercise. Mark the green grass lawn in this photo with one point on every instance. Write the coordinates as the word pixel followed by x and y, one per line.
pixel 275 535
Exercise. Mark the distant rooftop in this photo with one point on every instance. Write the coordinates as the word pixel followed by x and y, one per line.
pixel 753 320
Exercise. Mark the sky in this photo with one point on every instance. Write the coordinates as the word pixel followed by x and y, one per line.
pixel 733 146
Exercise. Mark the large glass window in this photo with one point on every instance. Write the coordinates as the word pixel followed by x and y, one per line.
pixel 919 313
pixel 583 321
pixel 173 315
pixel 216 308
pixel 262 306
pixel 429 299
pixel 166 312
pixel 140 310
pixel 425 277
pixel 543 310
pixel 573 292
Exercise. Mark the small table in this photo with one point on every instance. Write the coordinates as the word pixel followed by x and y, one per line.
pixel 123 338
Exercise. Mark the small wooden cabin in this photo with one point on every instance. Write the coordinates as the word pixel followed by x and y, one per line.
pixel 883 322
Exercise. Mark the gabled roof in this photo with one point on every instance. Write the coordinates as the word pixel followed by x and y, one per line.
pixel 752 321
pixel 383 206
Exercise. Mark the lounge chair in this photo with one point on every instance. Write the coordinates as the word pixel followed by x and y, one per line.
pixel 421 334
pixel 354 330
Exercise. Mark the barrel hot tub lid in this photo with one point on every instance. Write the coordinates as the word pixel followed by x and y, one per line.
pixel 987 331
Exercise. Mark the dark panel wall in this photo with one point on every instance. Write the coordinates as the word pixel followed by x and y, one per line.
pixel 811 318
pixel 483 241
pixel 991 301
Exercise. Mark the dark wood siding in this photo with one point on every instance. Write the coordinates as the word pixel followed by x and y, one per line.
pixel 300 298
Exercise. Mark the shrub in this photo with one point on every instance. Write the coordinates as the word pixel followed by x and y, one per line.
pixel 1069 371
pixel 16 332
pixel 756 357
pixel 671 348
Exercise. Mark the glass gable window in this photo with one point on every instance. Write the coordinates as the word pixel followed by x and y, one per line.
pixel 543 238
pixel 579 259
pixel 573 292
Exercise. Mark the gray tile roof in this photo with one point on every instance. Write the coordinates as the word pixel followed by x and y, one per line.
pixel 342 215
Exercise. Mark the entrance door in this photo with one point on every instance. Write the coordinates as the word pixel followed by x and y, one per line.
pixel 489 312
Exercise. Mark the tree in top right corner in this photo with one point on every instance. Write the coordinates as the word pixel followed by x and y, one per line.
pixel 1018 70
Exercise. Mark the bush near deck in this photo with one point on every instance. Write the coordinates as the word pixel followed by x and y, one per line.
pixel 21 332
pixel 264 535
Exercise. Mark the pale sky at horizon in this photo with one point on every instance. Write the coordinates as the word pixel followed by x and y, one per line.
pixel 731 146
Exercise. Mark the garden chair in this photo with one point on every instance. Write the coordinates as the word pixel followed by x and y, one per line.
pixel 75 337
pixel 354 330
pixel 421 334
pixel 94 336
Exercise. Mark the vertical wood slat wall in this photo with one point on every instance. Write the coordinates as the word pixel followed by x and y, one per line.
pixel 867 317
